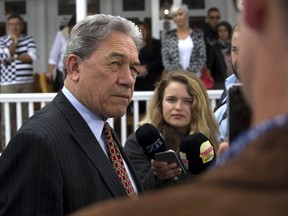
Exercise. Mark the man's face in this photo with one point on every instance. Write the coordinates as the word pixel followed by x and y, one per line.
pixel 235 52
pixel 213 18
pixel 15 26
pixel 107 78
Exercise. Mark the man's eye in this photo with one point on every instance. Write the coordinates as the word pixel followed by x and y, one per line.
pixel 115 65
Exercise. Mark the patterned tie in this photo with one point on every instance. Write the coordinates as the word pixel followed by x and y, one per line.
pixel 118 162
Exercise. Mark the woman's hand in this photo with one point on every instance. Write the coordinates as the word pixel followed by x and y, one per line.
pixel 164 171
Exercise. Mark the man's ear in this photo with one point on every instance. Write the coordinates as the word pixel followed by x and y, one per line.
pixel 255 12
pixel 72 66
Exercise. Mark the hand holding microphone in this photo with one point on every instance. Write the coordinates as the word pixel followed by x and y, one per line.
pixel 164 170
pixel 151 141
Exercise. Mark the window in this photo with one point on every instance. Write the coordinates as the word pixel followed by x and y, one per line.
pixel 17 7
pixel 133 5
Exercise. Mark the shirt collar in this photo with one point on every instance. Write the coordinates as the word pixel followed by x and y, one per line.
pixel 94 122
pixel 231 79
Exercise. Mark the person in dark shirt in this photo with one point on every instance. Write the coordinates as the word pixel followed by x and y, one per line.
pixel 219 58
pixel 150 70
pixel 209 29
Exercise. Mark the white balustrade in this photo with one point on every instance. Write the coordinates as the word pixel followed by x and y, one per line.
pixel 44 98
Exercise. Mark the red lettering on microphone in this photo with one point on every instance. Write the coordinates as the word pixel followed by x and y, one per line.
pixel 207 152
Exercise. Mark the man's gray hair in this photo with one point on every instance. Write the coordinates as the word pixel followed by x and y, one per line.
pixel 89 32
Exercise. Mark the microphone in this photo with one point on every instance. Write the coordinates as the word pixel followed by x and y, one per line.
pixel 150 139
pixel 199 152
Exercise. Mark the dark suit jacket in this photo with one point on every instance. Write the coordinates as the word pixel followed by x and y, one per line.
pixel 54 165
pixel 254 183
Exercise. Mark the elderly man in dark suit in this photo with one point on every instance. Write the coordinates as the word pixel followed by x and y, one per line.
pixel 58 161
pixel 253 176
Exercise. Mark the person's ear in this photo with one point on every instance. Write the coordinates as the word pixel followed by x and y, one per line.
pixel 72 66
pixel 255 12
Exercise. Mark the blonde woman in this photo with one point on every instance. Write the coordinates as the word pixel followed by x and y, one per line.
pixel 183 47
pixel 179 107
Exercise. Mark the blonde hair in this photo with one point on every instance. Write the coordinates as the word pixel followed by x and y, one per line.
pixel 203 119
pixel 175 8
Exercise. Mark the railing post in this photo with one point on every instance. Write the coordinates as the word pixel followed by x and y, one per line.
pixel 7 123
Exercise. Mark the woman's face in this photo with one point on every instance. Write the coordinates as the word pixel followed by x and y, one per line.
pixel 180 18
pixel 223 33
pixel 177 105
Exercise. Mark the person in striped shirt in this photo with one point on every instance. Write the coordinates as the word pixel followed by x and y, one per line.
pixel 17 53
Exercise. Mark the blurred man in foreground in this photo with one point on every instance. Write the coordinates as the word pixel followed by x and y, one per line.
pixel 253 178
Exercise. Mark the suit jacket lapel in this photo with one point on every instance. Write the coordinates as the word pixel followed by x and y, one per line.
pixel 89 144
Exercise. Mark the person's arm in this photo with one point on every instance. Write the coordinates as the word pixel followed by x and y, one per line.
pixel 31 54
pixel 24 57
pixel 165 52
pixel 13 45
pixel 5 43
pixel 54 56
pixel 199 55
pixel 152 174
pixel 164 171
pixel 140 162
pixel 50 71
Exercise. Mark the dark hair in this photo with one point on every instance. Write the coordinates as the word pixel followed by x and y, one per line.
pixel 227 26
pixel 17 16
pixel 212 9
pixel 149 37
pixel 72 21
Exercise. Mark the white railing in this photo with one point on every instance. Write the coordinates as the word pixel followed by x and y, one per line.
pixel 43 98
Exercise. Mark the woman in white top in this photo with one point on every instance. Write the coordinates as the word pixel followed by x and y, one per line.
pixel 57 54
pixel 183 47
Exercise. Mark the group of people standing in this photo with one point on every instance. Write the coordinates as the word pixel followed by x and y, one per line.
pixel 200 51
pixel 67 158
